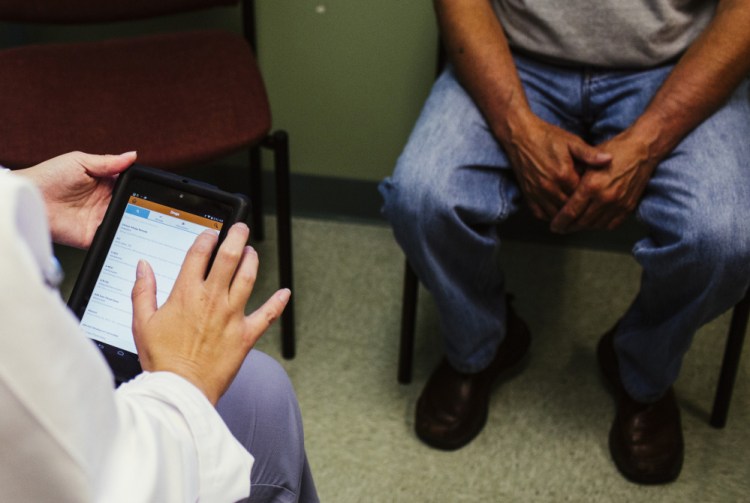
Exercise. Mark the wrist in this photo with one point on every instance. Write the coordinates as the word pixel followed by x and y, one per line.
pixel 654 137
pixel 663 125
pixel 30 175
pixel 515 124
pixel 187 370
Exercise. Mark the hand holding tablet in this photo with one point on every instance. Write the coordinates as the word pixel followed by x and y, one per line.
pixel 153 216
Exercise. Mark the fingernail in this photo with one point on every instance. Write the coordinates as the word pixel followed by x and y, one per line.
pixel 206 240
pixel 132 152
pixel 140 269
pixel 602 156
pixel 284 295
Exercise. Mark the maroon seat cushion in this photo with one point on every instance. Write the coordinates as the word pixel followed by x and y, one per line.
pixel 177 99
pixel 86 11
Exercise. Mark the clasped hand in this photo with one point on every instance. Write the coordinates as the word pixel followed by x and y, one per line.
pixel 576 186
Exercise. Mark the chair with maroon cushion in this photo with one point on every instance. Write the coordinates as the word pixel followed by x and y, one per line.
pixel 180 99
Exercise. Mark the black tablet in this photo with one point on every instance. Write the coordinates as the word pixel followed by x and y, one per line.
pixel 156 216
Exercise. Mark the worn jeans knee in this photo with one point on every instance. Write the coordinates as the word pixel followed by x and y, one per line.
pixel 696 258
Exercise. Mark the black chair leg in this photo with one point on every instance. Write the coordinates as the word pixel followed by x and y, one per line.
pixel 408 322
pixel 257 231
pixel 730 363
pixel 729 366
pixel 279 143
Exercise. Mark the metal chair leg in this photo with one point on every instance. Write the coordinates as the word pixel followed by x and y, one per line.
pixel 730 363
pixel 257 231
pixel 729 366
pixel 279 143
pixel 408 322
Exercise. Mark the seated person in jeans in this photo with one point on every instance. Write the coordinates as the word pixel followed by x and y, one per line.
pixel 585 112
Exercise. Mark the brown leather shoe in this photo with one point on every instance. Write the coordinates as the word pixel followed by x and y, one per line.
pixel 645 441
pixel 453 407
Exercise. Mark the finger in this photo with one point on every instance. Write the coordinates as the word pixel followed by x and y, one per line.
pixel 262 318
pixel 196 260
pixel 591 156
pixel 609 218
pixel 568 182
pixel 537 210
pixel 244 278
pixel 554 203
pixel 545 207
pixel 616 222
pixel 228 257
pixel 548 209
pixel 568 214
pixel 106 165
pixel 593 217
pixel 143 294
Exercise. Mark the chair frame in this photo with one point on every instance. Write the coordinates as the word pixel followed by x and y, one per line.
pixel 727 376
pixel 278 143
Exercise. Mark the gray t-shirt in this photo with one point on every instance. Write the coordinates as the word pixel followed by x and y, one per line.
pixel 607 33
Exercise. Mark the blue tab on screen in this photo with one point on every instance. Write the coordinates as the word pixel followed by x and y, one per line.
pixel 137 211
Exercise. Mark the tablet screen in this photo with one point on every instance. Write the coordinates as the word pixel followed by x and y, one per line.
pixel 158 233
pixel 155 216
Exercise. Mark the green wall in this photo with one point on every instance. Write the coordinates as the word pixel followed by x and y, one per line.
pixel 346 78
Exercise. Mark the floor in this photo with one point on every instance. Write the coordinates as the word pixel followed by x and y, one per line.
pixel 546 436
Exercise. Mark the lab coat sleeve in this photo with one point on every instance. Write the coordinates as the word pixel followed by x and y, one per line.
pixel 65 433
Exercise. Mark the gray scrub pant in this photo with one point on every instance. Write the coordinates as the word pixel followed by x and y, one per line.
pixel 261 410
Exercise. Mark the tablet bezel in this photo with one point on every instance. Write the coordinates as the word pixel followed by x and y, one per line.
pixel 165 188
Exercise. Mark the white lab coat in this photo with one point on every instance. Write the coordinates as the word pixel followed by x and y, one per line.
pixel 65 434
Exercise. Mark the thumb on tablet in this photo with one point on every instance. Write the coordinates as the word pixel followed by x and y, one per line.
pixel 144 293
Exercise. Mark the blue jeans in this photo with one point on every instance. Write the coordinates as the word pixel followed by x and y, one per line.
pixel 453 185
